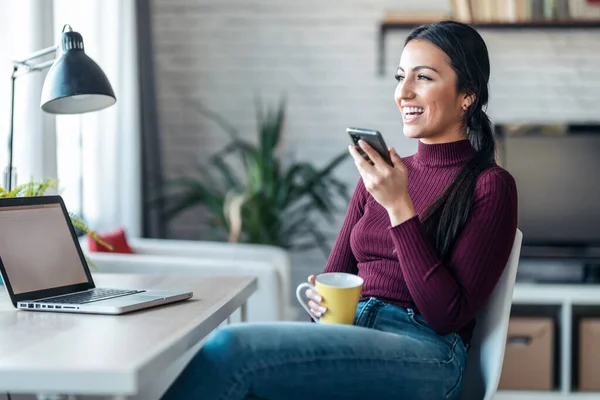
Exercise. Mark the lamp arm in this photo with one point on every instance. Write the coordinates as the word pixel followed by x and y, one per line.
pixel 31 68
pixel 22 67
pixel 37 54
pixel 8 173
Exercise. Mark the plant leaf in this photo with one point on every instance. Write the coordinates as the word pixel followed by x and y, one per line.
pixel 278 205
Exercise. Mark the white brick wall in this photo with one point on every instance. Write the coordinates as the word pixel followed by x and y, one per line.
pixel 323 54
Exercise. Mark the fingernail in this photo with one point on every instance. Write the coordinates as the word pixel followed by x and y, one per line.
pixel 322 309
pixel 319 298
pixel 317 314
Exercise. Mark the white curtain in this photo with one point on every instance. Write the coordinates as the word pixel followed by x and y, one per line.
pixel 110 189
pixel 26 28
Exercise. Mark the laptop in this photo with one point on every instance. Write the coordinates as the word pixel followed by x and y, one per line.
pixel 44 268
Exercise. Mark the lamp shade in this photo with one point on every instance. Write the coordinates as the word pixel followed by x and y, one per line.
pixel 75 84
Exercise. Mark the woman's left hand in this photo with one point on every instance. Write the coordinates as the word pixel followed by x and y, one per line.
pixel 387 184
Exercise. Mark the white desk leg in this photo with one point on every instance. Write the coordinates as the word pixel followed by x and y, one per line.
pixel 244 312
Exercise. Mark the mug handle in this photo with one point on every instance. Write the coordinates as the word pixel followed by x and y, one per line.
pixel 302 303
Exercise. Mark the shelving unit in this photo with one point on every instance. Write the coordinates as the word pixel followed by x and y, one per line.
pixel 566 297
pixel 390 24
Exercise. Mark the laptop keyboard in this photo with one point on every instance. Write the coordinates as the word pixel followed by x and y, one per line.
pixel 89 296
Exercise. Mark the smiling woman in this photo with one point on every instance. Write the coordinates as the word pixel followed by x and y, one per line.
pixel 432 107
pixel 429 235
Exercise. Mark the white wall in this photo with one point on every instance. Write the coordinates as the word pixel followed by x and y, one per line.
pixel 323 55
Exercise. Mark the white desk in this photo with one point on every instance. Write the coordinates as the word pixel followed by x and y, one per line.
pixel 44 352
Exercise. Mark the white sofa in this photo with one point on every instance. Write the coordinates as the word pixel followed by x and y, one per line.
pixel 271 265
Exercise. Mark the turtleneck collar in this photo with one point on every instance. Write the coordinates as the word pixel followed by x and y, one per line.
pixel 444 154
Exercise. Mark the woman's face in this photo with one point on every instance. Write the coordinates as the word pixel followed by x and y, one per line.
pixel 432 109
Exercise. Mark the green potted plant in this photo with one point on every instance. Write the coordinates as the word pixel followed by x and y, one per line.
pixel 252 197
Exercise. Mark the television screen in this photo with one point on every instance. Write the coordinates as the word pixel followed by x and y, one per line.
pixel 557 170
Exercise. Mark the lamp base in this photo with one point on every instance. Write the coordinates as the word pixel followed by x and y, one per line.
pixel 13 182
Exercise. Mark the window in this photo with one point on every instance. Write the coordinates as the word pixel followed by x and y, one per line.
pixel 12 19
pixel 94 155
pixel 69 161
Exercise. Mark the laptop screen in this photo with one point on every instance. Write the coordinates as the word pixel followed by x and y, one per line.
pixel 37 249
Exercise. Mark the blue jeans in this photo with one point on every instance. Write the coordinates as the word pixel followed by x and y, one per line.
pixel 389 353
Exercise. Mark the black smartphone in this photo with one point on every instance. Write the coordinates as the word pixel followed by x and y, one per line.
pixel 374 139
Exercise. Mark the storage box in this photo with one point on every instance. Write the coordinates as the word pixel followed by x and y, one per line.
pixel 589 354
pixel 529 358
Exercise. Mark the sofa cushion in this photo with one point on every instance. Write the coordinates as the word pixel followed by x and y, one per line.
pixel 117 239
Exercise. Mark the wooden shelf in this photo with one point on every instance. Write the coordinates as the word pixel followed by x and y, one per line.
pixel 391 24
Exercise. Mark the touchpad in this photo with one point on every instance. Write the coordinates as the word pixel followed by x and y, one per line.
pixel 147 297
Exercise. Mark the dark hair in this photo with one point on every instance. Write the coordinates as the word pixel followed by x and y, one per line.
pixel 468 56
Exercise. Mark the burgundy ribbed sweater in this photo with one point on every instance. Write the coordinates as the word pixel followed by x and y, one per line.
pixel 399 264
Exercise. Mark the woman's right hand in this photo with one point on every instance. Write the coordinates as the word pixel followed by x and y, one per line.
pixel 314 299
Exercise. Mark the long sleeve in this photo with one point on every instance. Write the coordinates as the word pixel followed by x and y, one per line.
pixel 341 258
pixel 449 295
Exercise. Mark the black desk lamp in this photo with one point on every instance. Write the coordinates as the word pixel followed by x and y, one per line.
pixel 75 84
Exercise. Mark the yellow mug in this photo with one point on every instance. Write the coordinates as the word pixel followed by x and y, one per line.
pixel 340 293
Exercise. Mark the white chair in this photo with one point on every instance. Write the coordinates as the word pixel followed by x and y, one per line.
pixel 486 355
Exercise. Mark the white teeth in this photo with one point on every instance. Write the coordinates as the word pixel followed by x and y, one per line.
pixel 410 110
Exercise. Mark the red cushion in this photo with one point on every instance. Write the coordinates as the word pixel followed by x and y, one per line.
pixel 117 239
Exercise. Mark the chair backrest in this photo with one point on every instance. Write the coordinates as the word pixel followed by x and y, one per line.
pixel 486 354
